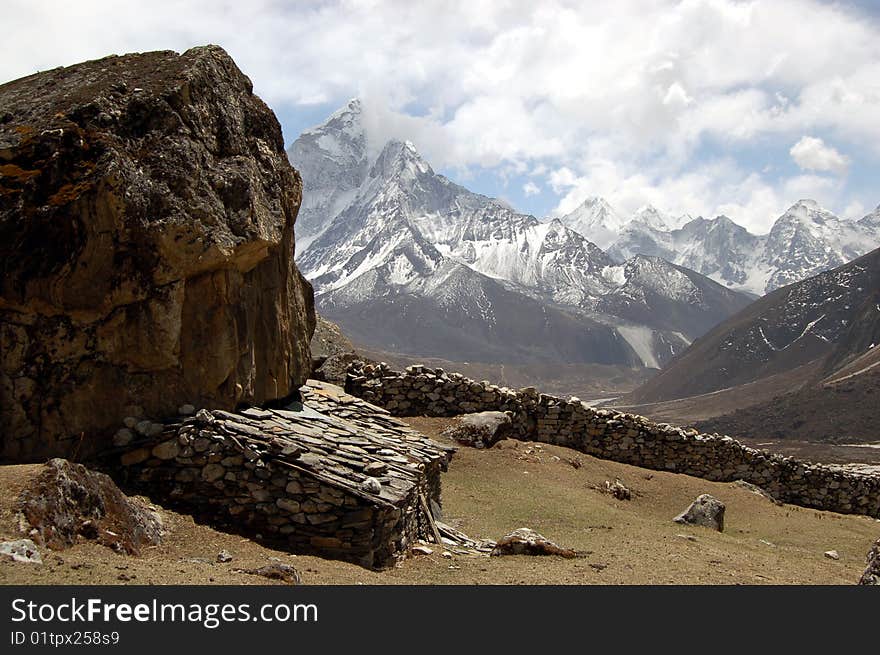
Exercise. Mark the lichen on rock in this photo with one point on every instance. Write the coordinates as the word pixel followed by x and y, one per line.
pixel 147 214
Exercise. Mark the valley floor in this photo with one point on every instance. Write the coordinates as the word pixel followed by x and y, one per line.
pixel 487 493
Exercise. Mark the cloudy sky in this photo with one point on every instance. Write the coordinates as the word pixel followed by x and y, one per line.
pixel 698 106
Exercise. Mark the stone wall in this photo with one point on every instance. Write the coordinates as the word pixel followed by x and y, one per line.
pixel 617 436
pixel 331 475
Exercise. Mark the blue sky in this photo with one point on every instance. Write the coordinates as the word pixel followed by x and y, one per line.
pixel 697 106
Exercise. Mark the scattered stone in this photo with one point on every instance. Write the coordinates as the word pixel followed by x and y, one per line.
pixel 575 462
pixel 275 571
pixel 689 537
pixel 871 576
pixel 832 554
pixel 224 556
pixel 480 430
pixel 66 502
pixel 618 490
pixel 21 550
pixel 371 485
pixel 598 566
pixel 446 554
pixel 526 541
pixel 422 550
pixel 706 511
pixel 767 543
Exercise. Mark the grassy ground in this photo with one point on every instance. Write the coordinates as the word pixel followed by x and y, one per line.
pixel 487 493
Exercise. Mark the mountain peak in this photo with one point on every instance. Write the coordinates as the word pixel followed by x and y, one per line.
pixel 808 212
pixel 652 217
pixel 399 158
pixel 348 120
pixel 808 203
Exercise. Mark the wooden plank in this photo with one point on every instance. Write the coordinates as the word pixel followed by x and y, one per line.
pixel 437 539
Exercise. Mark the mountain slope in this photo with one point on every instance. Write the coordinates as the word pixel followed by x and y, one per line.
pixel 459 314
pixel 832 318
pixel 405 227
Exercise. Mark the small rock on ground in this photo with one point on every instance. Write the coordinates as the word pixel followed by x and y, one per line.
pixel 706 511
pixel 526 541
pixel 21 550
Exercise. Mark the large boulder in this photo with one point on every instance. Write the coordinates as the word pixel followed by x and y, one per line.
pixel 481 429
pixel 147 210
pixel 66 503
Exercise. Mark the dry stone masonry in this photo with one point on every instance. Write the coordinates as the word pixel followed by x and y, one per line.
pixel 617 436
pixel 330 475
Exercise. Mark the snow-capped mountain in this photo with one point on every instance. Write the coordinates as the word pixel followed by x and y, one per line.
pixel 597 220
pixel 805 240
pixel 332 159
pixel 410 260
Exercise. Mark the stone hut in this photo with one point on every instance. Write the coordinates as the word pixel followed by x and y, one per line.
pixel 330 475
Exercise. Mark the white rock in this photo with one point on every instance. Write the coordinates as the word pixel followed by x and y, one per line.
pixel 21 550
pixel 832 554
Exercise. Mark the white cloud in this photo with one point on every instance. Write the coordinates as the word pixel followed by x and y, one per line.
pixel 531 189
pixel 811 154
pixel 625 94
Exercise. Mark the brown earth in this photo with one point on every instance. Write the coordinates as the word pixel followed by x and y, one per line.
pixel 488 493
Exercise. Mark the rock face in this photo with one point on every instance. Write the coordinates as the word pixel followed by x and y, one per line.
pixel 146 234
pixel 706 511
pixel 67 502
pixel 480 430
pixel 332 351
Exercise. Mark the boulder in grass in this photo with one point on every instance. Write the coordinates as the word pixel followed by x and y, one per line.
pixel 480 430
pixel 526 541
pixel 706 511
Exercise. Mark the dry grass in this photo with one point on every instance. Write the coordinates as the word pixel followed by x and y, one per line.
pixel 487 493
